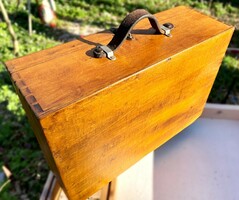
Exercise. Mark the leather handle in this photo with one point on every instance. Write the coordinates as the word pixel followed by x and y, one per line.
pixel 124 30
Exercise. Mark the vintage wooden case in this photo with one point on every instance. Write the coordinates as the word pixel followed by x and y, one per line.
pixel 94 117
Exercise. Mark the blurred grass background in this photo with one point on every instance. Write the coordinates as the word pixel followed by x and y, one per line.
pixel 19 150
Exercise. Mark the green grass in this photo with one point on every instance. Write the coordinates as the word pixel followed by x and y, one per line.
pixel 226 86
pixel 19 150
pixel 106 13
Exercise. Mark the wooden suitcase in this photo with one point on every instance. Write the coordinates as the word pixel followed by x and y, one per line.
pixel 95 117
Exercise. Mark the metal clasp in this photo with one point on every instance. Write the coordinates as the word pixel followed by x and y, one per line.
pixel 166 28
pixel 108 52
pixel 102 50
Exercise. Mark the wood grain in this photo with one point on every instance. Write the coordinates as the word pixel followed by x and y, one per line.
pixel 82 75
pixel 98 117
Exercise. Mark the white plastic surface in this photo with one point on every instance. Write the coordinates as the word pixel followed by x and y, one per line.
pixel 200 163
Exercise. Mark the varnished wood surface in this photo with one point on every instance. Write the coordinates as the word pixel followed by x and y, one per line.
pixel 98 117
pixel 73 75
pixel 53 191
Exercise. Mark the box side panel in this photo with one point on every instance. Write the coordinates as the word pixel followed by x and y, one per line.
pixel 98 138
pixel 38 131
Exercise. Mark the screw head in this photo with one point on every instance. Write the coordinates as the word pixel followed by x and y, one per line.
pixel 98 52
pixel 129 36
pixel 168 25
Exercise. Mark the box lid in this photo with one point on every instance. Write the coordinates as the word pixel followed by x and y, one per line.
pixel 57 77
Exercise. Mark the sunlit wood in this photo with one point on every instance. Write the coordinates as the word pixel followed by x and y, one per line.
pixel 94 118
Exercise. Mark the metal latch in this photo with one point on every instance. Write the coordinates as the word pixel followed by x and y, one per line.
pixel 108 52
